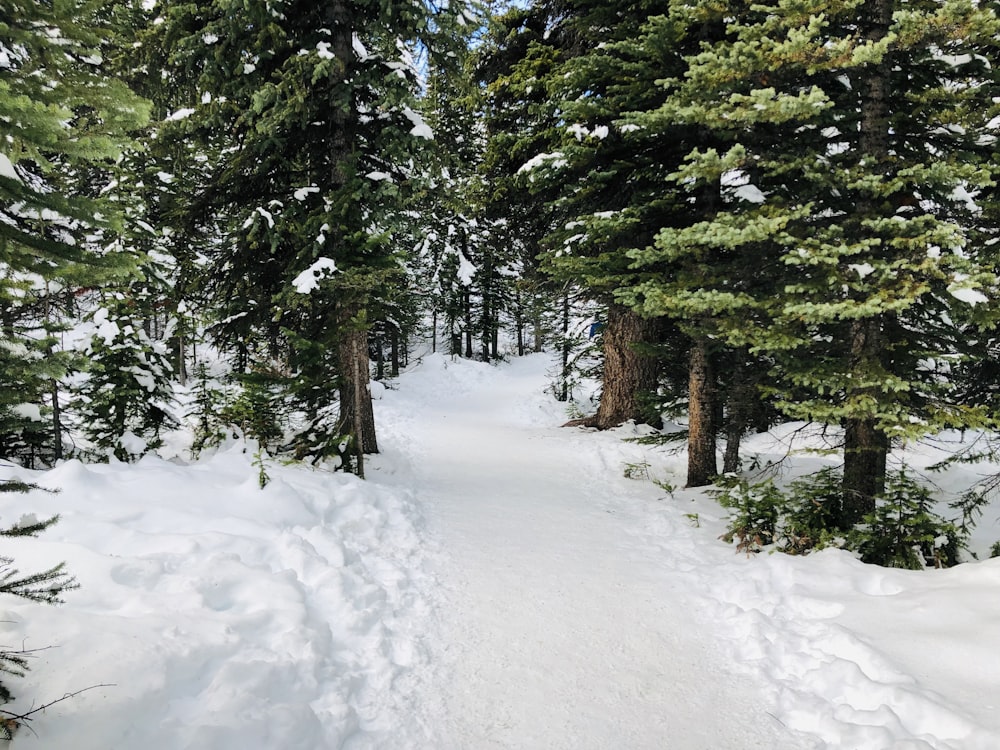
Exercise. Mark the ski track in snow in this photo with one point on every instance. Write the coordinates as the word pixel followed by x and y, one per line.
pixel 566 621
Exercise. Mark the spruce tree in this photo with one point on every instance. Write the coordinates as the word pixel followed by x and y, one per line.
pixel 850 142
pixel 307 115
pixel 46 586
pixel 63 122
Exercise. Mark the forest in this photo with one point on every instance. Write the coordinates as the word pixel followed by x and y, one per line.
pixel 735 215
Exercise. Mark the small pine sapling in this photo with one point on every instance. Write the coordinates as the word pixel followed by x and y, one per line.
pixel 46 587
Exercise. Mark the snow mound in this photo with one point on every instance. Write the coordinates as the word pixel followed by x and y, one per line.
pixel 215 614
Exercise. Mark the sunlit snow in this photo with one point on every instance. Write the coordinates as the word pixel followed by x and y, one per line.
pixel 496 582
pixel 308 280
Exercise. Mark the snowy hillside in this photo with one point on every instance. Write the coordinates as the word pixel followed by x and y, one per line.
pixel 497 582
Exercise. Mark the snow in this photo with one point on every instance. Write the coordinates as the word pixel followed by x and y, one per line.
pixel 28 411
pixel 180 114
pixel 308 280
pixel 496 582
pixel 960 290
pixel 302 193
pixel 863 270
pixel 420 128
pixel 466 270
pixel 359 48
pixel 7 168
pixel 555 160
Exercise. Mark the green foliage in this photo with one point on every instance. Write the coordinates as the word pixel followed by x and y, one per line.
pixel 128 393
pixel 637 470
pixel 209 399
pixel 755 512
pixel 902 532
pixel 995 550
pixel 259 411
pixel 46 587
pixel 259 461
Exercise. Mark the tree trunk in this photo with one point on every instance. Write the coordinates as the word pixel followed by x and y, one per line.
pixel 434 330
pixel 538 327
pixel 865 447
pixel 468 325
pixel 741 404
pixel 564 352
pixel 394 353
pixel 57 433
pixel 357 418
pixel 629 373
pixel 379 358
pixel 702 467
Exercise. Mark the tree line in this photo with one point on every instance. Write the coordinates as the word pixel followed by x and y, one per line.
pixel 778 211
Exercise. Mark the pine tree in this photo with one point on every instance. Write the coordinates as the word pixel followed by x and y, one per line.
pixel 64 121
pixel 316 112
pixel 850 141
pixel 46 587
pixel 127 396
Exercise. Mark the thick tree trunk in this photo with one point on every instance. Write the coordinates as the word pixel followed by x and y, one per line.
pixel 357 418
pixel 702 467
pixel 629 373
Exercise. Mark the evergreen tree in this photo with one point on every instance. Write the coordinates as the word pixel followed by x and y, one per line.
pixel 63 122
pixel 126 398
pixel 850 141
pixel 315 106
pixel 45 586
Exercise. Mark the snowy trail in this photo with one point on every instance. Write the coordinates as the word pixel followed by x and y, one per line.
pixel 563 625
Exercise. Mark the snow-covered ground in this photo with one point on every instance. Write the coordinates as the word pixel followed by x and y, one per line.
pixel 497 582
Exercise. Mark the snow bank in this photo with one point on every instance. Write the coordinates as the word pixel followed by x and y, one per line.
pixel 216 614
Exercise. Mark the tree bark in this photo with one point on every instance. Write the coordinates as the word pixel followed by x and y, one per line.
pixel 702 466
pixel 629 373
pixel 741 402
pixel 394 353
pixel 357 417
pixel 865 447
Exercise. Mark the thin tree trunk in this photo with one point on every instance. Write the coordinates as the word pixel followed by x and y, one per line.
pixel 565 349
pixel 394 353
pixel 57 433
pixel 538 328
pixel 740 407
pixel 865 447
pixel 468 324
pixel 379 359
pixel 702 467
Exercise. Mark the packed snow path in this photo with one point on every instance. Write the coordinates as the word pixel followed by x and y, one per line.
pixel 565 622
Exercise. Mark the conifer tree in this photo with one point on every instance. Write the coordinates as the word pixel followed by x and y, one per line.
pixel 126 398
pixel 45 586
pixel 313 109
pixel 63 122
pixel 850 143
